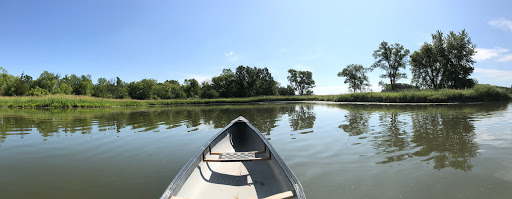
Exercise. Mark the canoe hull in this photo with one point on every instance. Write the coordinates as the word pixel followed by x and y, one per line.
pixel 265 175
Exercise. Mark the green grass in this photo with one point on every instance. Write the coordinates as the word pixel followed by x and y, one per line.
pixel 480 93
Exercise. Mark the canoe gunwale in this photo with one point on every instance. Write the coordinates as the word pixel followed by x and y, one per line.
pixel 289 174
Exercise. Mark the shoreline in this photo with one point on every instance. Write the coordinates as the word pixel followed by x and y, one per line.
pixel 478 94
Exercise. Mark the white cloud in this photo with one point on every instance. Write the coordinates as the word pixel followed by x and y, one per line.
pixel 505 58
pixel 231 56
pixel 202 78
pixel 496 54
pixel 484 54
pixel 501 23
pixel 495 74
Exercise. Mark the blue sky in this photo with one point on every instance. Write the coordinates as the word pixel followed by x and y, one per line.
pixel 197 39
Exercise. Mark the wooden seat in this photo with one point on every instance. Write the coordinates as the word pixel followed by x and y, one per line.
pixel 236 157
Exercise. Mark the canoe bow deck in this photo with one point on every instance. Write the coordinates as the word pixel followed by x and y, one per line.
pixel 239 163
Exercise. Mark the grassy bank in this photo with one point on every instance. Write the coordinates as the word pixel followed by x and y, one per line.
pixel 481 93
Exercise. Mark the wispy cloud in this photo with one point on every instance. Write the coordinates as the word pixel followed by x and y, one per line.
pixel 505 58
pixel 200 77
pixel 231 56
pixel 496 54
pixel 501 23
pixel 495 74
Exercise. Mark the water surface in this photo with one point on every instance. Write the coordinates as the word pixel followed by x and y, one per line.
pixel 336 151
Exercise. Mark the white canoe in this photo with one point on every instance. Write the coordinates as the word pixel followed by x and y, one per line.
pixel 238 163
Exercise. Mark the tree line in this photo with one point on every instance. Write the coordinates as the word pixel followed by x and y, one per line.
pixel 447 62
pixel 245 81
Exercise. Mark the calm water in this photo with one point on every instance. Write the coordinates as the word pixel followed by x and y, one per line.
pixel 336 151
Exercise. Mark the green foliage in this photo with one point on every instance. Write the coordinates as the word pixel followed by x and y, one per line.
pixel 169 90
pixel 104 88
pixel 191 87
pixel 391 58
pixel 460 51
pixel 21 85
pixel 355 76
pixel 224 84
pixel 245 82
pixel 398 87
pixel 446 63
pixel 120 90
pixel 6 81
pixel 429 63
pixel 479 93
pixel 36 91
pixel 84 86
pixel 48 81
pixel 288 90
pixel 63 89
pixel 301 81
pixel 207 91
pixel 143 90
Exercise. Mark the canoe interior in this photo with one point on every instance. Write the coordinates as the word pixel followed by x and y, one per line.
pixel 242 180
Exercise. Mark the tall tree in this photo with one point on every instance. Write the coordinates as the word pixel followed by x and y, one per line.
pixel 460 51
pixel 84 86
pixel 428 64
pixel 191 87
pixel 21 85
pixel 48 81
pixel 446 63
pixel 355 77
pixel 225 84
pixel 391 58
pixel 301 81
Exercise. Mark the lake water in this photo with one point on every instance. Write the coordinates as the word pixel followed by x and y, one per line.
pixel 336 151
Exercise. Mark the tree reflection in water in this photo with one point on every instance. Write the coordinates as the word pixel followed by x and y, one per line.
pixel 52 122
pixel 441 135
pixel 357 121
pixel 302 117
pixel 444 136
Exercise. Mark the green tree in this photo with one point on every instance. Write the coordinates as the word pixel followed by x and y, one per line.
pixel 175 82
pixel 83 85
pixel 191 87
pixel 301 81
pixel 428 64
pixel 207 91
pixel 288 90
pixel 121 90
pixel 460 51
pixel 21 85
pixel 391 58
pixel 104 88
pixel 225 84
pixel 446 63
pixel 143 90
pixel 355 76
pixel 48 81
pixel 63 89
